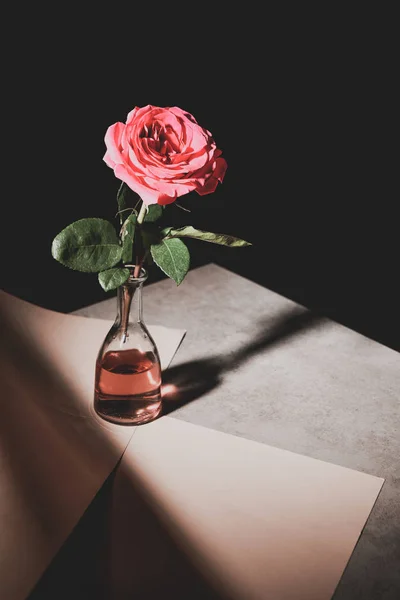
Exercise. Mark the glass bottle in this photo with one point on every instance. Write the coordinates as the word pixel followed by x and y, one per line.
pixel 128 368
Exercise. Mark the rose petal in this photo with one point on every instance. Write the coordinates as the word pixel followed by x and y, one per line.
pixel 217 176
pixel 148 195
pixel 112 140
pixel 182 113
pixel 108 160
pixel 170 188
pixel 163 153
pixel 137 113
pixel 163 199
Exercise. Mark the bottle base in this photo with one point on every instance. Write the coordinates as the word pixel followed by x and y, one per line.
pixel 127 410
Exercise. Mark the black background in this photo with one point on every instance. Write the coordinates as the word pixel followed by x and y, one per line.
pixel 302 105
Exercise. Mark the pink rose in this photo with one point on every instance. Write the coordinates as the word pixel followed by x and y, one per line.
pixel 162 153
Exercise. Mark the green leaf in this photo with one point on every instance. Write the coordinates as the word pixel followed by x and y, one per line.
pixel 113 278
pixel 88 245
pixel 165 231
pixel 122 200
pixel 172 256
pixel 127 236
pixel 154 212
pixel 205 236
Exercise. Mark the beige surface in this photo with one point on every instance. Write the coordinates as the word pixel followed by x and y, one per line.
pixel 55 453
pixel 257 365
pixel 180 502
pixel 257 522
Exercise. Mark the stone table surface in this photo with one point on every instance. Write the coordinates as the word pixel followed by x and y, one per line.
pixel 257 365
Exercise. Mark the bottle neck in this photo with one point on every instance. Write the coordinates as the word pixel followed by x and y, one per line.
pixel 129 299
pixel 129 304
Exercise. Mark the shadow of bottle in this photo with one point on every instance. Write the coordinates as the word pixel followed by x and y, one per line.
pixel 191 380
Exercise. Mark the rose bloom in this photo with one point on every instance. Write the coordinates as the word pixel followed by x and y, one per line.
pixel 163 153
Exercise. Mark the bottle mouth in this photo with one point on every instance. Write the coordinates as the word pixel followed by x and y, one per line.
pixel 140 278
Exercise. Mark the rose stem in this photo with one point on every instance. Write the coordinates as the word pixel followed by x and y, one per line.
pixel 140 218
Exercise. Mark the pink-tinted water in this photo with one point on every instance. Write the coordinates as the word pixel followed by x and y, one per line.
pixel 128 387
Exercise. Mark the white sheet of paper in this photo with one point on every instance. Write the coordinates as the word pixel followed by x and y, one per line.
pixel 257 522
pixel 55 452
